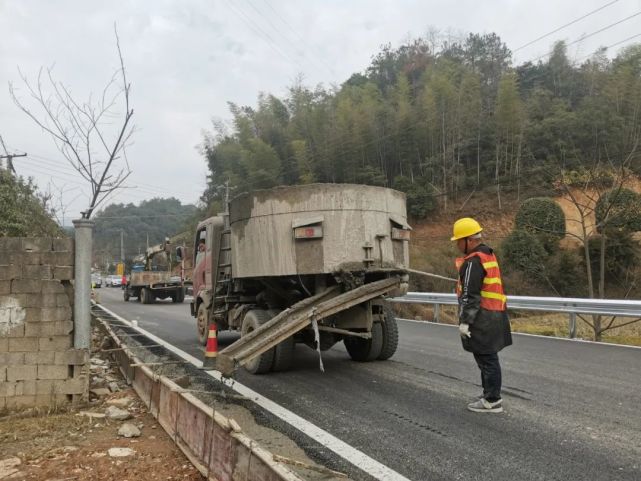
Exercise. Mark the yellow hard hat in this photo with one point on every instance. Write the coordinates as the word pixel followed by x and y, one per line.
pixel 465 227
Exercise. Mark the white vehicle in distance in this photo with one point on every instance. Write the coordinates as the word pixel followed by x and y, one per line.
pixel 114 281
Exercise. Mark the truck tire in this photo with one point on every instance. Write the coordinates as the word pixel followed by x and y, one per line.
pixel 125 295
pixel 202 324
pixel 366 350
pixel 252 321
pixel 390 334
pixel 284 351
pixel 146 295
pixel 178 297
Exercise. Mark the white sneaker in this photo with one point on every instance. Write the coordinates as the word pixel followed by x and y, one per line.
pixel 485 406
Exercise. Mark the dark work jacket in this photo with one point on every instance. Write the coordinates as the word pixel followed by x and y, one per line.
pixel 490 329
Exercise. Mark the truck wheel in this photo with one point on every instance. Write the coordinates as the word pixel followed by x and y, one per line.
pixel 146 295
pixel 178 297
pixel 125 295
pixel 390 334
pixel 284 351
pixel 252 321
pixel 365 350
pixel 202 319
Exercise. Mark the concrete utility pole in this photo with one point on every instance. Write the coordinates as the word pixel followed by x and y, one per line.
pixel 9 157
pixel 82 284
pixel 122 246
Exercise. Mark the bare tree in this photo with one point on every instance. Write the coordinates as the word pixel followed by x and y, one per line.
pixel 85 133
pixel 56 195
pixel 586 190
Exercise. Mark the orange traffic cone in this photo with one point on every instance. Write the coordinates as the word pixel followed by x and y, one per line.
pixel 211 350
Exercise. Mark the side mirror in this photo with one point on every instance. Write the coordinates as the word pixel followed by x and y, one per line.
pixel 180 253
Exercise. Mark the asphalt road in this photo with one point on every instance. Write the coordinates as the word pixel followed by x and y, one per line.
pixel 572 408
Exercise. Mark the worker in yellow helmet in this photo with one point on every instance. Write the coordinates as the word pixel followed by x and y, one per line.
pixel 483 321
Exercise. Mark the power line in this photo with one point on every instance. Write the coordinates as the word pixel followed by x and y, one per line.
pixel 279 32
pixel 607 47
pixel 145 187
pixel 125 192
pixel 564 26
pixel 610 46
pixel 260 32
pixel 288 25
pixel 70 176
pixel 591 34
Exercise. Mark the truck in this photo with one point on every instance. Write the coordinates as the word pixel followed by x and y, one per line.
pixel 149 281
pixel 308 264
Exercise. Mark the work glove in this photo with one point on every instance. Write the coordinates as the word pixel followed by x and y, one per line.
pixel 464 330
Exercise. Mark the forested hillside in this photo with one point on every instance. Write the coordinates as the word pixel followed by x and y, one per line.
pixel 152 219
pixel 437 120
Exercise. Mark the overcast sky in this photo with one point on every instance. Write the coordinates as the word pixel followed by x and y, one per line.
pixel 187 58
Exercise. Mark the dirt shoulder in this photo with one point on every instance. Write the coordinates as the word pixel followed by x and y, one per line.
pixel 112 437
pixel 70 446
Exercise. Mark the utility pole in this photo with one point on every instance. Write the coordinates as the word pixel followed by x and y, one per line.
pixel 9 157
pixel 122 246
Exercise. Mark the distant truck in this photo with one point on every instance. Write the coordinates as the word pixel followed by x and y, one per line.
pixel 304 264
pixel 147 283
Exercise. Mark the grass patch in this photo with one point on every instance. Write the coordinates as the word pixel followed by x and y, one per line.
pixel 627 340
pixel 558 325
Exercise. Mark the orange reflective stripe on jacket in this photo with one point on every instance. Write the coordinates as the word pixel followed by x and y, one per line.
pixel 493 297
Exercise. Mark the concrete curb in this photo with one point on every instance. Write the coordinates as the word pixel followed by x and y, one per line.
pixel 212 442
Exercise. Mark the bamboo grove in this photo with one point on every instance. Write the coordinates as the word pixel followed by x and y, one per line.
pixel 436 119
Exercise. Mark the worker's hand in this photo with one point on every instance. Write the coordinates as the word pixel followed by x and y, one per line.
pixel 464 330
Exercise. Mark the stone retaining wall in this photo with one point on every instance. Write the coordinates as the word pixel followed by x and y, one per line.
pixel 38 365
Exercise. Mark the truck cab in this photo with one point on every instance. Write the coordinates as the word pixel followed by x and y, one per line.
pixel 204 277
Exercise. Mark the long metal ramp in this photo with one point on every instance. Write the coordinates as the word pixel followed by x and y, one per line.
pixel 296 318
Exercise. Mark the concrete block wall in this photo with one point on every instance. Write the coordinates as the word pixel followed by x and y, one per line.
pixel 38 365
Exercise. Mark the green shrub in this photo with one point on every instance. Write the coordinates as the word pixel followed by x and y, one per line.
pixel 566 273
pixel 22 210
pixel 370 176
pixel 622 208
pixel 420 199
pixel 522 251
pixel 543 218
pixel 622 256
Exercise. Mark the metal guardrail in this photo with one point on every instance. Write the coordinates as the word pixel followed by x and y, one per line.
pixel 568 305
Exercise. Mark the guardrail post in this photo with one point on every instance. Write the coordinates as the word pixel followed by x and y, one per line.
pixel 437 313
pixel 572 326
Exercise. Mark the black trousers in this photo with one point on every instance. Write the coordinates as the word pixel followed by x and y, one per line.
pixel 490 375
